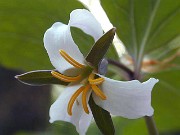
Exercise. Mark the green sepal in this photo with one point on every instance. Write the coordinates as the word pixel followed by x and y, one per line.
pixel 100 48
pixel 102 118
pixel 39 77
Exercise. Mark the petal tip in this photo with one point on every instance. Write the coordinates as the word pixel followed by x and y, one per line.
pixel 56 24
pixel 85 20
pixel 154 80
pixel 151 112
pixel 79 10
pixel 16 77
pixel 113 29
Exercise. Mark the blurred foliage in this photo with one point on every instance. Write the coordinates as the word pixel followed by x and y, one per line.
pixel 153 24
pixel 146 26
pixel 23 24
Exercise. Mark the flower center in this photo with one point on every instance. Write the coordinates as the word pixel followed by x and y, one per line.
pixel 89 81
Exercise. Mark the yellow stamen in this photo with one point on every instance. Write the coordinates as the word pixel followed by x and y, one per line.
pixel 91 76
pixel 90 83
pixel 71 60
pixel 73 98
pixel 65 78
pixel 98 92
pixel 84 95
pixel 95 81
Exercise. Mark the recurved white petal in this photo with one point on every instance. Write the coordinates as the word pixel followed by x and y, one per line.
pixel 83 19
pixel 129 99
pixel 58 110
pixel 59 37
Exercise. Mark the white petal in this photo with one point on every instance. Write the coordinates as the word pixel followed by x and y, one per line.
pixel 79 118
pixel 129 99
pixel 84 20
pixel 59 37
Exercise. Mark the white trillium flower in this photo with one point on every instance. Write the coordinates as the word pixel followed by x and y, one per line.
pixel 129 99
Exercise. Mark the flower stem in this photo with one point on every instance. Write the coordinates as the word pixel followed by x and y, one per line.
pixel 122 67
pixel 151 125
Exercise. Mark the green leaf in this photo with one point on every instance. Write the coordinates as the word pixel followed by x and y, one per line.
pixel 102 118
pixel 23 25
pixel 39 77
pixel 100 48
pixel 145 26
pixel 166 100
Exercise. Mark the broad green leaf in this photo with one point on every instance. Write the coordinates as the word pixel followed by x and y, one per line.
pixel 151 28
pixel 145 26
pixel 39 77
pixel 22 28
pixel 100 48
pixel 166 100
pixel 102 118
